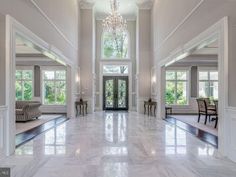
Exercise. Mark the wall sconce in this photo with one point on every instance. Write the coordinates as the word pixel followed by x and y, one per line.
pixel 77 79
pixel 154 80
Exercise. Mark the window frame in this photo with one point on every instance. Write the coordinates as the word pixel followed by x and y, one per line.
pixel 54 69
pixel 115 74
pixel 188 81
pixel 115 58
pixel 25 68
pixel 208 70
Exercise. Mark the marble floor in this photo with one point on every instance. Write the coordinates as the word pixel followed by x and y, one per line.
pixel 24 126
pixel 117 145
pixel 192 120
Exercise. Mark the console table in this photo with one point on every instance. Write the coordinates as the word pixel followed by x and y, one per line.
pixel 149 105
pixel 83 107
pixel 168 110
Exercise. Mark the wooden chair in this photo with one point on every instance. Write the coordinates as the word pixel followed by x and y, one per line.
pixel 216 108
pixel 204 108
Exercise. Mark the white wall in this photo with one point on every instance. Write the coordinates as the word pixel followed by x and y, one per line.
pixel 177 22
pixel 2 60
pixel 61 33
pixel 86 56
pixel 53 21
pixel 131 27
pixel 144 57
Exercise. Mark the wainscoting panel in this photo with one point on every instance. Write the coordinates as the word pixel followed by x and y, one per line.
pixel 231 124
pixel 3 110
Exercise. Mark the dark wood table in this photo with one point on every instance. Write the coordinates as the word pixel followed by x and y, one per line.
pixel 83 107
pixel 148 105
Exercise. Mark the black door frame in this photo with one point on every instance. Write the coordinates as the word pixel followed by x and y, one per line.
pixel 115 91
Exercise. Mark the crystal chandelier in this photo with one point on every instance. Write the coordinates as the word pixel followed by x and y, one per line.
pixel 114 23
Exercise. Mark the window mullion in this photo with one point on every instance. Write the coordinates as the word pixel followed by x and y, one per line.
pixel 176 88
pixel 22 90
pixel 55 89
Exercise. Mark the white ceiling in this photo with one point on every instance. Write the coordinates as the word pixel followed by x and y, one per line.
pixel 127 8
pixel 207 55
pixel 211 49
pixel 22 48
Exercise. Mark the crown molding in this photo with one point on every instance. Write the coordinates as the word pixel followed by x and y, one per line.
pixel 86 4
pixel 145 4
pixel 101 16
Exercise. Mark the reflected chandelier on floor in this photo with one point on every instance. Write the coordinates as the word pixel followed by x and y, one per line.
pixel 114 23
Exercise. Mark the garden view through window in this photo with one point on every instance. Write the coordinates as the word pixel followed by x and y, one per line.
pixel 54 87
pixel 176 87
pixel 115 69
pixel 24 85
pixel 208 84
pixel 115 47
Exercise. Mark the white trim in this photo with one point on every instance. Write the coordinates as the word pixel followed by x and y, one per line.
pixel 129 63
pixel 208 70
pixel 3 110
pixel 53 24
pixel 13 29
pixel 54 69
pixel 188 83
pixel 218 31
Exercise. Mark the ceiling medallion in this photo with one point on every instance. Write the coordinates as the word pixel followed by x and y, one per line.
pixel 114 22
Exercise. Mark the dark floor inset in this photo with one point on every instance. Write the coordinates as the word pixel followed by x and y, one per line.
pixel 24 137
pixel 201 134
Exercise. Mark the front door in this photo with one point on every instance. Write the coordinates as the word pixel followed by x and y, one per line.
pixel 115 93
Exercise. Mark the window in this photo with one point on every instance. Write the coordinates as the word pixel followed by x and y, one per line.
pixel 54 87
pixel 208 84
pixel 115 47
pixel 115 69
pixel 24 85
pixel 176 87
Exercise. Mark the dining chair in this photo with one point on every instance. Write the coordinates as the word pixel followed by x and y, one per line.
pixel 204 108
pixel 216 108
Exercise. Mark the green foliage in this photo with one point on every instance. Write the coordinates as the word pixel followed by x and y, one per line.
pixel 115 46
pixel 55 90
pixel 176 88
pixel 170 93
pixel 24 85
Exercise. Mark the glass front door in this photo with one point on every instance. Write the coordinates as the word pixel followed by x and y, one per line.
pixel 115 93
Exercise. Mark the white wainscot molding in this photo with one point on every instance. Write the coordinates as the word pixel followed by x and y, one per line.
pixel 3 110
pixel 231 132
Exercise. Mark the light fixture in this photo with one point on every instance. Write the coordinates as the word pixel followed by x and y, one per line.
pixel 114 23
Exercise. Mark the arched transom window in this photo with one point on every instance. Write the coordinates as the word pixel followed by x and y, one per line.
pixel 115 47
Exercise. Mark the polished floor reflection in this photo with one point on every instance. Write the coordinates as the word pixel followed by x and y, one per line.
pixel 118 145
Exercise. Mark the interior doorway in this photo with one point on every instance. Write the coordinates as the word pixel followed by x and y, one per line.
pixel 218 32
pixel 115 93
